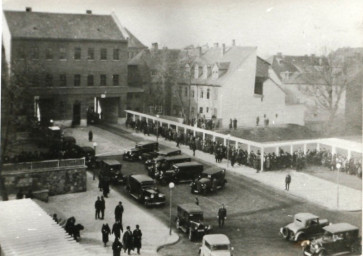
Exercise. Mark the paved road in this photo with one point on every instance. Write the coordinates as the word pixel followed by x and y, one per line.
pixel 255 213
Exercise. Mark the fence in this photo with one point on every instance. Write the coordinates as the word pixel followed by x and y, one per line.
pixel 335 144
pixel 49 164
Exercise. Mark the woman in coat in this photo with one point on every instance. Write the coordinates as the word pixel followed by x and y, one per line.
pixel 105 233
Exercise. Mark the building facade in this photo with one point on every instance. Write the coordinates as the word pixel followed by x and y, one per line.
pixel 71 64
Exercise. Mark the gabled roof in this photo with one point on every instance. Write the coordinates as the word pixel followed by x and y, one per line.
pixel 133 41
pixel 43 25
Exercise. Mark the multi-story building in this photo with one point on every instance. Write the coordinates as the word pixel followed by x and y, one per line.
pixel 70 64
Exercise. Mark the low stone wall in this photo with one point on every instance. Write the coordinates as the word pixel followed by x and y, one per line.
pixel 61 180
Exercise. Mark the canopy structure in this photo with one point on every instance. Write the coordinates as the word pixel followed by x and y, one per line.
pixel 26 229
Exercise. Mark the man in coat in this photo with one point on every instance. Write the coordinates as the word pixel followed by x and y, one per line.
pixel 137 238
pixel 287 182
pixel 102 207
pixel 116 229
pixel 90 135
pixel 222 215
pixel 128 240
pixel 116 247
pixel 119 210
pixel 105 233
pixel 98 208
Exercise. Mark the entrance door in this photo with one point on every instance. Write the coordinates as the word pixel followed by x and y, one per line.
pixel 76 113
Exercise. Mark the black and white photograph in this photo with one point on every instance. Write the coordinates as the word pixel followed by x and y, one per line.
pixel 181 127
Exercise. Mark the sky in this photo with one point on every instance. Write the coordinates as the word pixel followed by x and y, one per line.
pixel 292 27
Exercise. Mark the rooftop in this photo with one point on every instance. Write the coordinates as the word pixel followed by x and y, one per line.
pixel 217 239
pixel 340 227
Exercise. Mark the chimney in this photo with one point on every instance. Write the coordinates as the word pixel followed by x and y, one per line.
pixel 89 11
pixel 28 9
pixel 154 46
pixel 223 49
pixel 233 42
pixel 199 51
pixel 216 45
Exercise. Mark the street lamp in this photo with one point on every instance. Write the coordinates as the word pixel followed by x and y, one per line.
pixel 228 138
pixel 171 186
pixel 157 128
pixel 338 169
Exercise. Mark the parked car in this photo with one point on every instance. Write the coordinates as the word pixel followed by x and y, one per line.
pixel 190 221
pixel 90 156
pixel 144 189
pixel 149 157
pixel 68 142
pixel 110 170
pixel 305 226
pixel 134 154
pixel 162 163
pixel 338 239
pixel 209 180
pixel 182 172
pixel 216 245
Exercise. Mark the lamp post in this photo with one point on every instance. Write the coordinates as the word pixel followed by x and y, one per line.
pixel 228 138
pixel 338 169
pixel 157 128
pixel 171 186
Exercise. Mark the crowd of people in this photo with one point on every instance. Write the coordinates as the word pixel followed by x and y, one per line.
pixel 239 156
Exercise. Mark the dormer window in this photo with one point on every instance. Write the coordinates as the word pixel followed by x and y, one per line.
pixel 205 72
pixel 215 72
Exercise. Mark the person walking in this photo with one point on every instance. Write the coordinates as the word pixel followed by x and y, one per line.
pixel 128 240
pixel 287 182
pixel 102 207
pixel 105 233
pixel 222 215
pixel 90 135
pixel 193 146
pixel 98 208
pixel 117 229
pixel 137 234
pixel 119 210
pixel 116 247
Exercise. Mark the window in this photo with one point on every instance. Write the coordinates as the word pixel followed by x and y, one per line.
pixel 192 110
pixel 201 110
pixel 77 80
pixel 115 80
pixel 192 93
pixel 208 93
pixel 35 53
pixel 77 53
pixel 186 91
pixel 49 54
pixel 62 53
pixel 48 80
pixel 91 54
pixel 62 80
pixel 103 80
pixel 116 54
pixel 103 54
pixel 201 93
pixel 207 110
pixel 90 80
pixel 258 86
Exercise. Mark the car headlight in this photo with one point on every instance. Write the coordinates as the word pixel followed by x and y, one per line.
pixel 161 195
pixel 152 196
pixel 316 247
pixel 147 198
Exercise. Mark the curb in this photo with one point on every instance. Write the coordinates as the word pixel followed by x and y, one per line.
pixel 168 244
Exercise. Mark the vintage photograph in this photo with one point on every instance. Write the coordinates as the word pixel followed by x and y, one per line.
pixel 181 127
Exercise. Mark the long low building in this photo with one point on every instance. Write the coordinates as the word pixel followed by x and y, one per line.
pixel 26 229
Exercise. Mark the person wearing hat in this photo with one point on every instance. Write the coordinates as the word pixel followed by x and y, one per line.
pixel 116 247
pixel 105 233
pixel 137 234
pixel 128 240
pixel 119 210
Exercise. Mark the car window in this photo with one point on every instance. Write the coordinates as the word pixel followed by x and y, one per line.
pixel 217 247
pixel 207 245
pixel 196 217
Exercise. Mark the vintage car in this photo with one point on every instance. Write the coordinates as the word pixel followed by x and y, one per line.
pixel 216 245
pixel 110 170
pixel 338 239
pixel 190 221
pixel 144 189
pixel 209 180
pixel 182 172
pixel 149 157
pixel 90 156
pixel 68 142
pixel 305 226
pixel 134 154
pixel 162 163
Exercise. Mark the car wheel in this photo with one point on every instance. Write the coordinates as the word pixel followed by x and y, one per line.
pixel 301 237
pixel 286 233
pixel 177 224
pixel 356 248
pixel 191 235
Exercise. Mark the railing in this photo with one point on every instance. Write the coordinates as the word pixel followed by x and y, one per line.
pixel 48 164
pixel 334 143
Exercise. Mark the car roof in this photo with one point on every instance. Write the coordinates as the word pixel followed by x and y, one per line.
pixel 111 162
pixel 69 138
pixel 187 164
pixel 340 227
pixel 145 142
pixel 305 215
pixel 217 239
pixel 142 177
pixel 176 157
pixel 193 208
pixel 169 150
pixel 88 149
pixel 213 170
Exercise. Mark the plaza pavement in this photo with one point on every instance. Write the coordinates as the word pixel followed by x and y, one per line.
pixel 303 185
